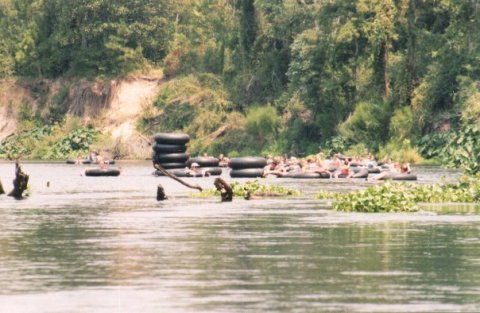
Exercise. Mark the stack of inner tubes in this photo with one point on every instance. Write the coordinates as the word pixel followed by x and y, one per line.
pixel 169 150
pixel 208 165
pixel 249 167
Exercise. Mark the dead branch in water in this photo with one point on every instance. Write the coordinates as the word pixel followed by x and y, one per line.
pixel 161 169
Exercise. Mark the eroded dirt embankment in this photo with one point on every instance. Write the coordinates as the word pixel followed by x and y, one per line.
pixel 113 106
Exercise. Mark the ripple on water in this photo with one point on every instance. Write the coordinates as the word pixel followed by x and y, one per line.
pixel 103 245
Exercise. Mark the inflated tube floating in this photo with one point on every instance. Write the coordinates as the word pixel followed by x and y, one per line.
pixel 212 171
pixel 166 148
pixel 171 158
pixel 171 138
pixel 362 173
pixel 184 173
pixel 246 173
pixel 354 163
pixel 100 172
pixel 168 166
pixel 247 162
pixel 81 161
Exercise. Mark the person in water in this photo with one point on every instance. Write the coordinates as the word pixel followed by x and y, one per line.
pixel 79 159
pixel 195 170
pixel 102 163
pixel 401 169
pixel 93 157
pixel 223 161
pixel 344 171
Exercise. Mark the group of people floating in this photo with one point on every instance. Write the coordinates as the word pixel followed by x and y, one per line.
pixel 94 158
pixel 337 166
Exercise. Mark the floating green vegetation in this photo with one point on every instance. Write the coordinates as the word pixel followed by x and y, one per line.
pixel 251 188
pixel 404 197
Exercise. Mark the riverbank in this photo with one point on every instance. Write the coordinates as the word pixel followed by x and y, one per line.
pixel 112 107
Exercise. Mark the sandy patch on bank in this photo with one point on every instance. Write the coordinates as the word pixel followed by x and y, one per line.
pixel 129 98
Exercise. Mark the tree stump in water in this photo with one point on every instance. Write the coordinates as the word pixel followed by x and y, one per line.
pixel 226 191
pixel 161 193
pixel 20 183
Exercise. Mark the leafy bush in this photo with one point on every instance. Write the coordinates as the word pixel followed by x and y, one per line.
pixel 401 151
pixel 367 124
pixel 358 149
pixel 76 142
pixel 334 145
pixel 263 123
pixel 468 99
pixel 21 145
pixel 49 142
pixel 463 149
pixel 402 124
pixel 459 149
pixel 433 145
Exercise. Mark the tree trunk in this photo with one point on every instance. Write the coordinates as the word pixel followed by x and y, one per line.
pixel 161 193
pixel 225 189
pixel 20 182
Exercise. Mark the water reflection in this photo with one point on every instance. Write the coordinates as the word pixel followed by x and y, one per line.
pixel 95 251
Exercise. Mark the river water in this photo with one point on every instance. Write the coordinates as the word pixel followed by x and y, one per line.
pixel 104 244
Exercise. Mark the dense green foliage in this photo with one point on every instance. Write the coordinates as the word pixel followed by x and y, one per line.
pixel 91 37
pixel 459 149
pixel 290 74
pixel 52 142
pixel 251 188
pixel 404 197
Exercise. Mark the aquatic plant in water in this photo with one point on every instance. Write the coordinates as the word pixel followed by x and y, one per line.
pixel 253 188
pixel 404 197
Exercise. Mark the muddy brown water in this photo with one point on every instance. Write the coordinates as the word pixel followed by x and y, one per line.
pixel 104 244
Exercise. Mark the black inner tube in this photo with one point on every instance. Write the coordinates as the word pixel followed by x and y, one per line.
pixel 247 172
pixel 100 172
pixel 247 162
pixel 171 138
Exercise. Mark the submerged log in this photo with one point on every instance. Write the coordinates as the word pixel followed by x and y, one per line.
pixel 20 183
pixel 161 169
pixel 161 193
pixel 226 192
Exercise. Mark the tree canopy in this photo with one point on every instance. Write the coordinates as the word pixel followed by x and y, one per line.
pixel 374 72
